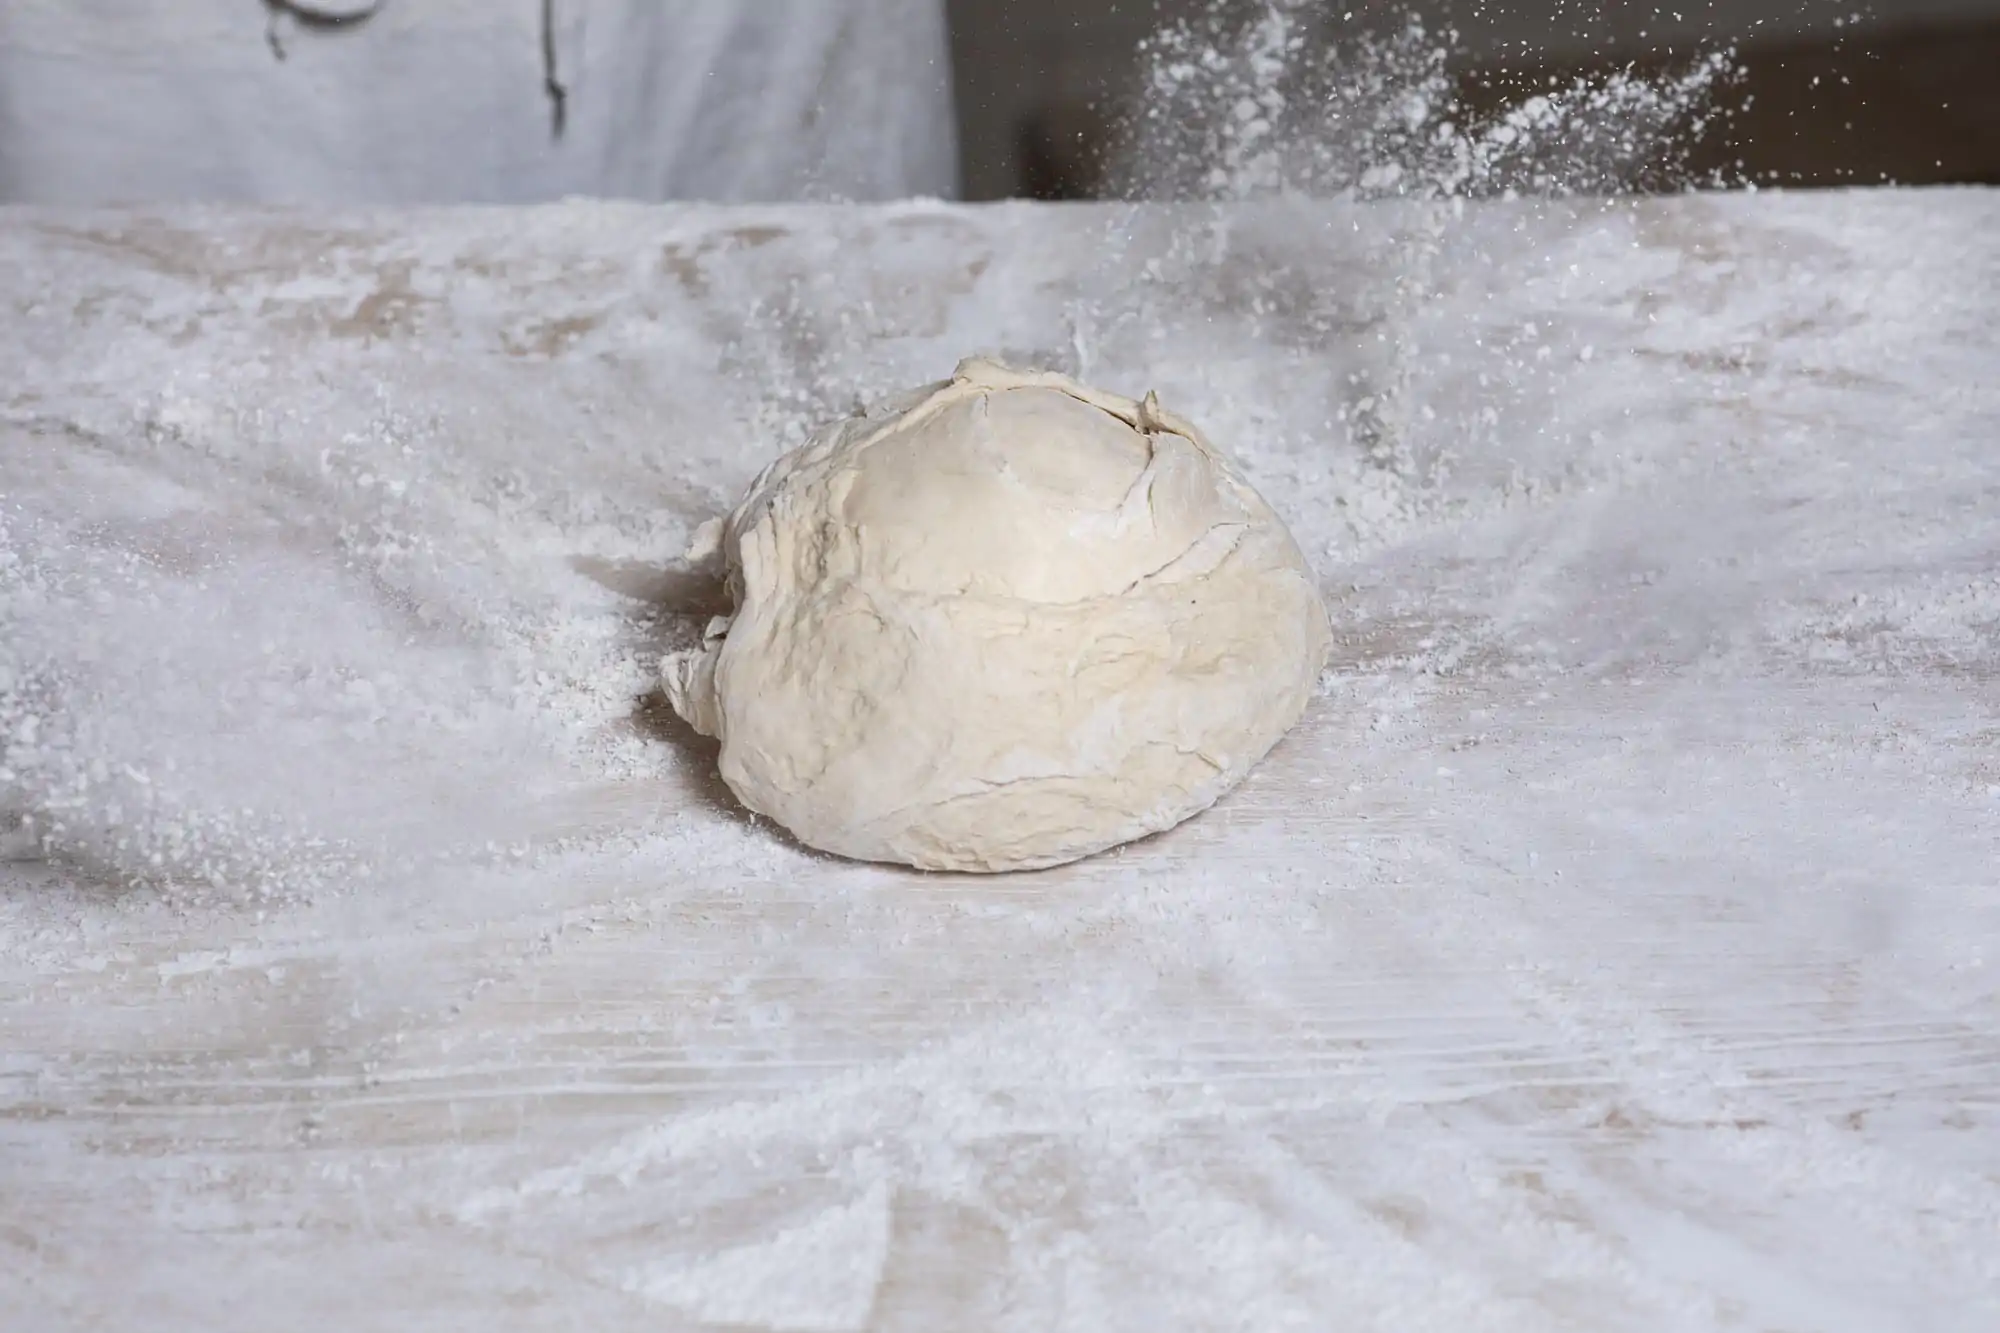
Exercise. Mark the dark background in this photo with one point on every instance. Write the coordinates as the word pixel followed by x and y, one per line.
pixel 1832 92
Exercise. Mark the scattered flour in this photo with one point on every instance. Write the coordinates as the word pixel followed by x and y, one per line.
pixel 818 1276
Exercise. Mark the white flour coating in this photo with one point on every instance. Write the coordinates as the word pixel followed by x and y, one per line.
pixel 1000 623
pixel 1622 911
pixel 819 1276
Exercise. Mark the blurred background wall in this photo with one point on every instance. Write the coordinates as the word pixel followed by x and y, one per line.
pixel 425 101
pixel 1834 92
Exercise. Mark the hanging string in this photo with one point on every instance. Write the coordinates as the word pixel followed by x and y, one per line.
pixel 552 83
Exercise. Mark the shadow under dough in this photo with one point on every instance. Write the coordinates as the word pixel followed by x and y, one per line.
pixel 656 720
pixel 669 590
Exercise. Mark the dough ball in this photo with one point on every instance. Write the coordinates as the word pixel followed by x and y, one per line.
pixel 1003 623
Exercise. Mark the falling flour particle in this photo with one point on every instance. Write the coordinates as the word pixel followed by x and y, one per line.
pixel 1003 623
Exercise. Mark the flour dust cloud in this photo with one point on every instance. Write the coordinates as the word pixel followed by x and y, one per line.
pixel 1287 98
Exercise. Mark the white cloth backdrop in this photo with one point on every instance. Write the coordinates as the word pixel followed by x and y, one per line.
pixel 420 101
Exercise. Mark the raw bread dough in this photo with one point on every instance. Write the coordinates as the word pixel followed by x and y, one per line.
pixel 1002 623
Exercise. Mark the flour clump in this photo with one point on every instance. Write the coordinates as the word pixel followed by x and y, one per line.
pixel 1002 623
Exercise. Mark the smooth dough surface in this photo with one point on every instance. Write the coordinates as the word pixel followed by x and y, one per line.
pixel 1001 623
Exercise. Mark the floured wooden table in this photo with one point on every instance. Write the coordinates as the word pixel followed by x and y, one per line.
pixel 1616 945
